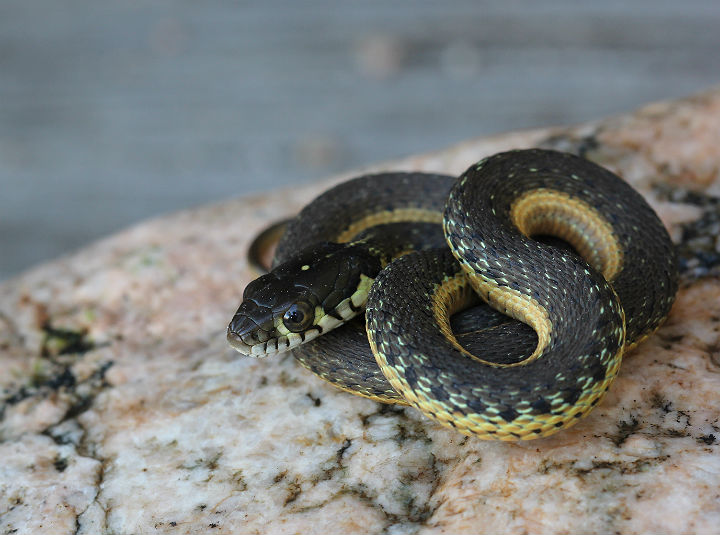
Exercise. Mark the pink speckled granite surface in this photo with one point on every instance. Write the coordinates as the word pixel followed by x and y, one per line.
pixel 124 411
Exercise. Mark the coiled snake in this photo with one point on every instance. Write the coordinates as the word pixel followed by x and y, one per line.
pixel 550 343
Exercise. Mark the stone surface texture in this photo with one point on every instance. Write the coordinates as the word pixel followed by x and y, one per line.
pixel 124 410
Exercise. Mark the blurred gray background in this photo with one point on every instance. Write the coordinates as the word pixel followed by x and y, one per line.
pixel 111 112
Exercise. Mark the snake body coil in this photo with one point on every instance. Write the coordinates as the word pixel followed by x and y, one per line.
pixel 561 317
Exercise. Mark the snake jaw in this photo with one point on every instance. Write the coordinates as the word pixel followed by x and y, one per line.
pixel 237 343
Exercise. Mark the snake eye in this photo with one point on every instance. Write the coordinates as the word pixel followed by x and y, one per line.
pixel 298 317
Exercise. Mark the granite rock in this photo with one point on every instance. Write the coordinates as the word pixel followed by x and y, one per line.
pixel 124 410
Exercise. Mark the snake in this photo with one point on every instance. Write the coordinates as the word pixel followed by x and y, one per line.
pixel 499 303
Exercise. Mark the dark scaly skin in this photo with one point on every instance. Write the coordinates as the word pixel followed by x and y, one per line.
pixel 326 217
pixel 535 401
pixel 326 273
pixel 352 365
pixel 343 356
pixel 585 344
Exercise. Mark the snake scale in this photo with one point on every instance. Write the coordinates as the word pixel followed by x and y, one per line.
pixel 498 303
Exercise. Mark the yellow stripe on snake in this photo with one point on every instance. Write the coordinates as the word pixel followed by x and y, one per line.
pixel 499 303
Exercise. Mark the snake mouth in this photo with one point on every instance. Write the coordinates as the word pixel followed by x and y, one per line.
pixel 238 344
pixel 247 335
pixel 278 344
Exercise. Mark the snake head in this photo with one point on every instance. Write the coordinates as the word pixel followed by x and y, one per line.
pixel 318 290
